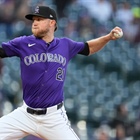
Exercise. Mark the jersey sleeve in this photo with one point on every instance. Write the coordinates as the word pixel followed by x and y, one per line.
pixel 75 47
pixel 12 47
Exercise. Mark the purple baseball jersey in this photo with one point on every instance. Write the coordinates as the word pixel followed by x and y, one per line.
pixel 43 67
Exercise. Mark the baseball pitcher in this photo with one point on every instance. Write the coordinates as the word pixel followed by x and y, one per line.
pixel 43 60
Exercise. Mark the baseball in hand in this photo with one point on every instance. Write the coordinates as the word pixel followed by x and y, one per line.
pixel 119 34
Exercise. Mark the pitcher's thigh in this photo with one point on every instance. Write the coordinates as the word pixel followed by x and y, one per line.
pixel 59 133
pixel 66 133
pixel 8 130
pixel 57 127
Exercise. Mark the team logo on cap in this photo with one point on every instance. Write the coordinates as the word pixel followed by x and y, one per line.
pixel 37 9
pixel 51 16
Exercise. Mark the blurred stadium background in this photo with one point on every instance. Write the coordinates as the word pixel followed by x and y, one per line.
pixel 102 91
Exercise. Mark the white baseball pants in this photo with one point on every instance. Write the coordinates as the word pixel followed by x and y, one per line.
pixel 54 125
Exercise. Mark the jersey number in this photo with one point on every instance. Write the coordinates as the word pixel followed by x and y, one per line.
pixel 60 74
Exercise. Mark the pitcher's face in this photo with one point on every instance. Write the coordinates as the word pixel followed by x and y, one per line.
pixel 40 26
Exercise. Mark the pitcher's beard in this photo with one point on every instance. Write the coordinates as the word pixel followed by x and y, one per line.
pixel 39 34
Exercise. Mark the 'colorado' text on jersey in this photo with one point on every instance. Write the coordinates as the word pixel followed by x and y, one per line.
pixel 43 67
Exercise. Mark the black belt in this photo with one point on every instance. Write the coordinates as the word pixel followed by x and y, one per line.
pixel 41 111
